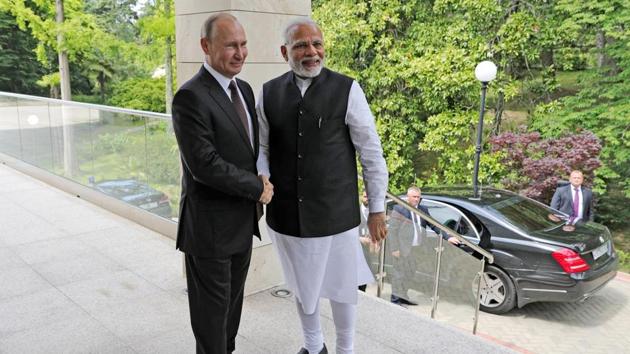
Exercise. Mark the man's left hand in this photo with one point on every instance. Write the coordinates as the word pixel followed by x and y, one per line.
pixel 377 226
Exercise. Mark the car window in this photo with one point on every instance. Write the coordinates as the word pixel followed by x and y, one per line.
pixel 450 217
pixel 527 214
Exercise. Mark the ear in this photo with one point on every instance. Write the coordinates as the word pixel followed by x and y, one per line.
pixel 204 45
pixel 285 52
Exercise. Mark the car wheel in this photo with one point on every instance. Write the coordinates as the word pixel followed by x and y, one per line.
pixel 497 293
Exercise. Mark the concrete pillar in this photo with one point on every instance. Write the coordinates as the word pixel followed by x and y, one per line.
pixel 263 21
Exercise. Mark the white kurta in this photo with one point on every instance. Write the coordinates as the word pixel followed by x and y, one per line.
pixel 332 266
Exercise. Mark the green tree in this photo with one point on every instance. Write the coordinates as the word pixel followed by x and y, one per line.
pixel 18 64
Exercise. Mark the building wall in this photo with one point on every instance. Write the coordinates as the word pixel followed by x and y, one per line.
pixel 263 21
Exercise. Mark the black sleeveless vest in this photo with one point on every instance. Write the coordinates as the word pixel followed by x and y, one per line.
pixel 311 156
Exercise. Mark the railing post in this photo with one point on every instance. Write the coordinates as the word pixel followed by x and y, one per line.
pixel 381 269
pixel 478 300
pixel 436 284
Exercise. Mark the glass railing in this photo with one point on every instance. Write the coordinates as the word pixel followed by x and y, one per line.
pixel 127 154
pixel 418 268
pixel 133 156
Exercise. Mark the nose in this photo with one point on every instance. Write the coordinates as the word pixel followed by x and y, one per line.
pixel 239 52
pixel 310 50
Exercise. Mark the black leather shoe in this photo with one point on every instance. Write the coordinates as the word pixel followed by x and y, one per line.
pixel 407 302
pixel 323 351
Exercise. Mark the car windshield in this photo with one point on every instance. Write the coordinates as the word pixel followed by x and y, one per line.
pixel 528 214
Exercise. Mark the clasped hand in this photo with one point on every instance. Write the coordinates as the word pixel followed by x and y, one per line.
pixel 267 193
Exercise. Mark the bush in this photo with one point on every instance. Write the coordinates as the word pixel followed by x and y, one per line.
pixel 624 260
pixel 138 93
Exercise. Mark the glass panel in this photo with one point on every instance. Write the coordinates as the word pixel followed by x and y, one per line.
pixel 9 127
pixel 458 284
pixel 72 139
pixel 410 261
pixel 163 166
pixel 130 157
pixel 34 122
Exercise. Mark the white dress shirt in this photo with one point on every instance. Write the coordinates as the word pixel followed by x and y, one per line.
pixel 224 82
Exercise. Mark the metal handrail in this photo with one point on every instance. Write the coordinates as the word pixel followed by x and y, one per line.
pixel 89 105
pixel 448 231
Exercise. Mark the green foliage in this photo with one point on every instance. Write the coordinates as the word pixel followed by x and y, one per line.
pixel 451 136
pixel 20 70
pixel 624 260
pixel 138 93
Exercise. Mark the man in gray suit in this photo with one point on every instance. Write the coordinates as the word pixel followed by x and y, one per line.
pixel 574 199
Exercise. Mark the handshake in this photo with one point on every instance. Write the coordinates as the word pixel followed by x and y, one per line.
pixel 267 193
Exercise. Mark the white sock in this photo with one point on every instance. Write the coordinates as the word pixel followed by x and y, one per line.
pixel 312 329
pixel 344 316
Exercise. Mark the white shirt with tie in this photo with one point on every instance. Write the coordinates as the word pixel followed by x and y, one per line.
pixel 224 82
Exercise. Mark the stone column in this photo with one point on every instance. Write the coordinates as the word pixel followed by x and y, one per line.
pixel 263 21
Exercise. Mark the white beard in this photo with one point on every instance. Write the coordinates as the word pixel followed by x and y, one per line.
pixel 300 70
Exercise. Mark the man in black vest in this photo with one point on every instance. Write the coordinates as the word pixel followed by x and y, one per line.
pixel 217 132
pixel 313 121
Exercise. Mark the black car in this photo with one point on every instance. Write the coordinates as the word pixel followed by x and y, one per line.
pixel 538 255
pixel 139 194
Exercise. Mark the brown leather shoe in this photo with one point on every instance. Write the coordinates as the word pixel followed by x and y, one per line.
pixel 323 351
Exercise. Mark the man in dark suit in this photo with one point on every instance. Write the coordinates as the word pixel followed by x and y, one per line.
pixel 406 231
pixel 217 132
pixel 574 199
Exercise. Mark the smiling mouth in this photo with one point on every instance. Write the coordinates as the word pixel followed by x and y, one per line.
pixel 311 63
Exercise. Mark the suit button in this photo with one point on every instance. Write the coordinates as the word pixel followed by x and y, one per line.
pixel 300 199
pixel 299 178
pixel 299 156
pixel 301 134
pixel 301 112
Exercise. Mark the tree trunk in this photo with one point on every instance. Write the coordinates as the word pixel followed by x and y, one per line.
pixel 64 67
pixel 498 114
pixel 69 156
pixel 101 85
pixel 549 71
pixel 168 60
pixel 600 43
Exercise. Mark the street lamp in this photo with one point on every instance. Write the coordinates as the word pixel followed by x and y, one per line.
pixel 485 72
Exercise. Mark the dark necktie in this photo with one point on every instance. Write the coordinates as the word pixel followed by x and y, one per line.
pixel 238 106
pixel 576 203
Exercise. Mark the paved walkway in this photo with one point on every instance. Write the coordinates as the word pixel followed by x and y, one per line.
pixel 75 278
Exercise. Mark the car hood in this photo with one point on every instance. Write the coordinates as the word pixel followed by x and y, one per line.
pixel 582 237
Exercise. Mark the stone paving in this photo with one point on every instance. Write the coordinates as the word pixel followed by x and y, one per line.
pixel 75 278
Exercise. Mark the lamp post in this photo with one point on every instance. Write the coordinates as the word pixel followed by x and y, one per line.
pixel 485 72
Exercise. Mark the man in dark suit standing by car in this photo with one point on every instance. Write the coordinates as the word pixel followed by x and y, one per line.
pixel 574 199
pixel 217 132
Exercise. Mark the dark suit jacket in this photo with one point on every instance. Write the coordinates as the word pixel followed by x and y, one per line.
pixel 563 200
pixel 401 229
pixel 220 186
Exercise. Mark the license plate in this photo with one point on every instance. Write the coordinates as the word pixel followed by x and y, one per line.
pixel 149 205
pixel 601 250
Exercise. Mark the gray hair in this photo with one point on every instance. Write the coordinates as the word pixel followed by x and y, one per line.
pixel 208 24
pixel 292 26
pixel 413 189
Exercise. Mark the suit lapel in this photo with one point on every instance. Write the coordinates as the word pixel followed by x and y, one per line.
pixel 223 101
